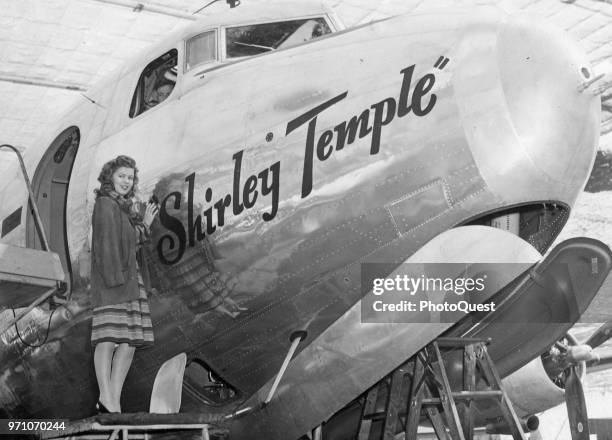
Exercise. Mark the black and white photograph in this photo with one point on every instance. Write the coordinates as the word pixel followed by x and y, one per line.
pixel 306 219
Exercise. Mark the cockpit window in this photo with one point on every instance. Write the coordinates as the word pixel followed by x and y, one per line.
pixel 201 49
pixel 243 41
pixel 156 83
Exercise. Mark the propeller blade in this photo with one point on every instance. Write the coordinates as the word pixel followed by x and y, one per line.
pixel 581 353
pixel 601 335
pixel 576 405
pixel 603 363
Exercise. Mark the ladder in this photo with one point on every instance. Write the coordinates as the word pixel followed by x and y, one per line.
pixel 28 276
pixel 420 389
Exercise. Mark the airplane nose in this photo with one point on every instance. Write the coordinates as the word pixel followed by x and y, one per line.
pixel 542 74
pixel 534 127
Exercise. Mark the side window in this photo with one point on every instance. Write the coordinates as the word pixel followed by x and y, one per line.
pixel 155 84
pixel 203 384
pixel 200 49
pixel 243 41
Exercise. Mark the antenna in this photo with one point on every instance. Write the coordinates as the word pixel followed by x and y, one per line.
pixel 231 3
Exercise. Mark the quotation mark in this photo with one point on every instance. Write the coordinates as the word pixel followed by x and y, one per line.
pixel 441 63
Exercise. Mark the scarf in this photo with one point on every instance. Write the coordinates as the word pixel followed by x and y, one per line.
pixel 126 205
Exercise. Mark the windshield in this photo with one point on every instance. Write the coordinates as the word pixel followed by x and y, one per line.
pixel 201 49
pixel 243 41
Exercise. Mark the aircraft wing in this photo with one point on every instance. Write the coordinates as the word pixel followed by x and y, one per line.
pixel 600 309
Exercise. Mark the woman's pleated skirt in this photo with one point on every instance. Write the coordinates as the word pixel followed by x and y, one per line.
pixel 124 323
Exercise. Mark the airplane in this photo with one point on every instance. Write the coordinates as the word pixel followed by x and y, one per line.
pixel 286 152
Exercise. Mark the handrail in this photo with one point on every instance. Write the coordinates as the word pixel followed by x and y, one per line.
pixel 21 314
pixel 37 219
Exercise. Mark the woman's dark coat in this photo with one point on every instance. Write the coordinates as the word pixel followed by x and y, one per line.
pixel 114 274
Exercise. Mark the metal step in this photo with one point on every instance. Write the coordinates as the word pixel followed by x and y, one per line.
pixel 25 274
pixel 133 425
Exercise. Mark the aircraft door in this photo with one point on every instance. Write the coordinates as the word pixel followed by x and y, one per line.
pixel 50 187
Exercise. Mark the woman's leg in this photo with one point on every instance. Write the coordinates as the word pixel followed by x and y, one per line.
pixel 103 356
pixel 121 365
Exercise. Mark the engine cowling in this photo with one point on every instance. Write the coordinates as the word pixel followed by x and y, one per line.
pixel 532 390
pixel 540 384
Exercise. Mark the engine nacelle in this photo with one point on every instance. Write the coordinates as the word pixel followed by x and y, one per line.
pixel 540 384
pixel 531 389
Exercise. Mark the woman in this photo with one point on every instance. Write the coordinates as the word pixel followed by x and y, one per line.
pixel 121 318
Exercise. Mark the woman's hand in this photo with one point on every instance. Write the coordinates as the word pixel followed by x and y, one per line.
pixel 150 213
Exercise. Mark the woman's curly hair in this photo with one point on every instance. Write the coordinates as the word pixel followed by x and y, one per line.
pixel 106 176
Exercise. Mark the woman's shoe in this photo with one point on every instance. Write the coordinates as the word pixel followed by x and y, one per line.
pixel 102 409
